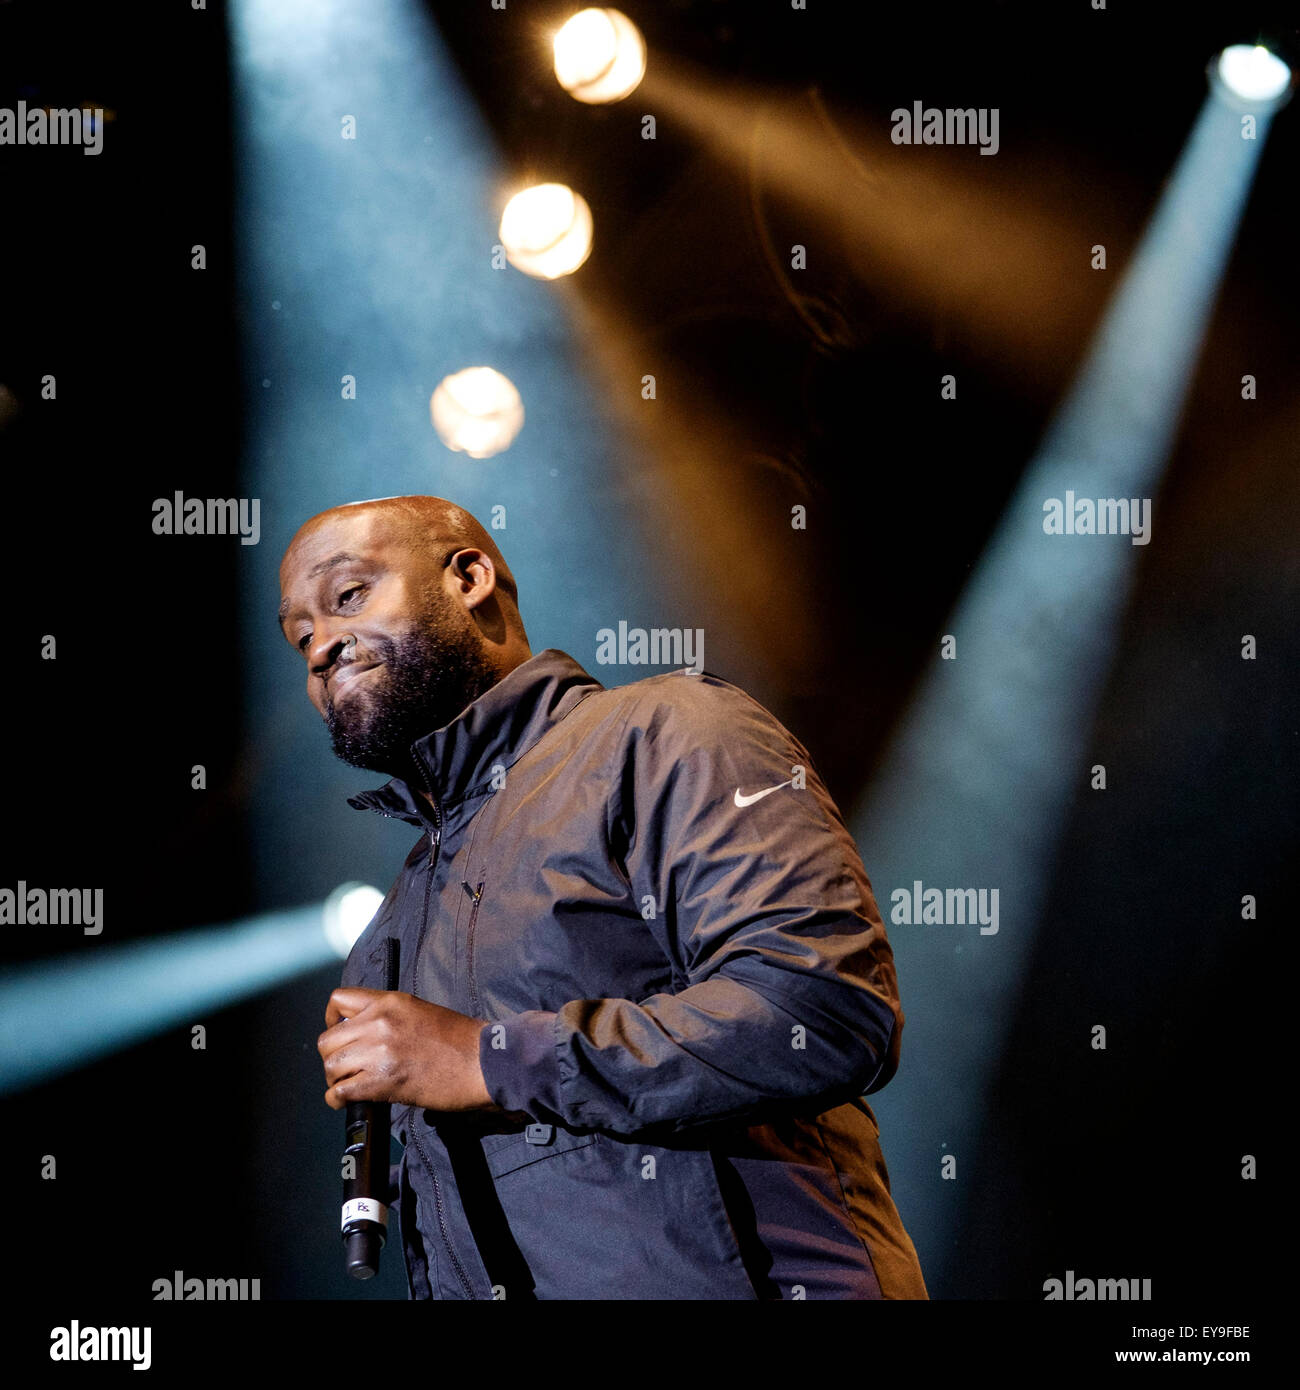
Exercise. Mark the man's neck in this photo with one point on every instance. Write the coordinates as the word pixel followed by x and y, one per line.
pixel 413 775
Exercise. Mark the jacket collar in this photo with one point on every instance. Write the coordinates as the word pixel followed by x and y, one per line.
pixel 496 729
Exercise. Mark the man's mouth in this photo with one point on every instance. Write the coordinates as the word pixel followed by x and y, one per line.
pixel 343 678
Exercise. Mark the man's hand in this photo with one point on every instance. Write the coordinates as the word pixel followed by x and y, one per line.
pixel 382 1045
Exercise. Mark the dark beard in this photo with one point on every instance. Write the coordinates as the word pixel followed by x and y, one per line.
pixel 429 674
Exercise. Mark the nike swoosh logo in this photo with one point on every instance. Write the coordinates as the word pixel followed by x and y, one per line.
pixel 742 800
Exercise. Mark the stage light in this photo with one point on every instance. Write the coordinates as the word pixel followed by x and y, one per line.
pixel 347 913
pixel 1252 73
pixel 546 231
pixel 477 411
pixel 599 56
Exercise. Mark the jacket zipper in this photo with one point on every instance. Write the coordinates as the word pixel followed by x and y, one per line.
pixel 435 844
pixel 442 1220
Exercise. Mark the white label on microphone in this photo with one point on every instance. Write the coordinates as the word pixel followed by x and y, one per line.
pixel 364 1209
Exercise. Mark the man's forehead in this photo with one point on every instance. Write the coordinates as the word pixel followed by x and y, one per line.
pixel 365 531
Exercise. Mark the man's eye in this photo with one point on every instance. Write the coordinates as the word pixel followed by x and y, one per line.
pixel 344 596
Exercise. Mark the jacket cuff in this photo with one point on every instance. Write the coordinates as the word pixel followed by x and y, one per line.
pixel 521 1067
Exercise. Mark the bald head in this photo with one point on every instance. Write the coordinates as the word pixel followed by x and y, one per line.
pixel 427 526
pixel 433 524
pixel 405 611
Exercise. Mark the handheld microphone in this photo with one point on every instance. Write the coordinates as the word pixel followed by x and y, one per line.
pixel 365 1212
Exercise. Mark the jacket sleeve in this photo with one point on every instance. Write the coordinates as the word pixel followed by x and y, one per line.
pixel 785 993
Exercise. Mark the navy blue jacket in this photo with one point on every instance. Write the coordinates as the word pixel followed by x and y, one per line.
pixel 652 899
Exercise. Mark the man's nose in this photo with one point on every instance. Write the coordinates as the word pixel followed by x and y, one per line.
pixel 327 649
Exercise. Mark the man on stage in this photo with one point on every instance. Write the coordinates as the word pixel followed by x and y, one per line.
pixel 645 984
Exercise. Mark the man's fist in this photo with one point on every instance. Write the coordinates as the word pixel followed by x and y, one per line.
pixel 382 1045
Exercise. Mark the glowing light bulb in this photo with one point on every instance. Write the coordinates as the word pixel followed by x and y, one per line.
pixel 477 412
pixel 1252 73
pixel 599 56
pixel 349 910
pixel 546 231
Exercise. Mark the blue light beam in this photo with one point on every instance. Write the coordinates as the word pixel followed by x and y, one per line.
pixel 975 789
pixel 58 1015
pixel 369 193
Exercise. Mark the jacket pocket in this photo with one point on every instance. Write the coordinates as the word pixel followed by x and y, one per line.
pixel 507 1152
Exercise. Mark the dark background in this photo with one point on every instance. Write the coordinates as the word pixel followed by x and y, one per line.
pixel 1117 1163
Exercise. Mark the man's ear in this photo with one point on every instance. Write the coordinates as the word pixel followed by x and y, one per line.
pixel 475 570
